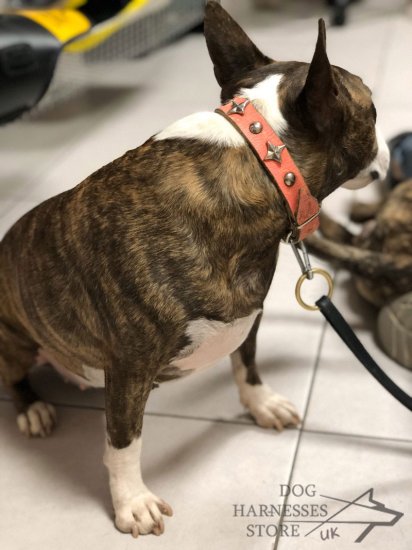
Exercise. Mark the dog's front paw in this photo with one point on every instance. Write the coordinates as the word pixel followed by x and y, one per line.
pixel 269 409
pixel 38 420
pixel 142 515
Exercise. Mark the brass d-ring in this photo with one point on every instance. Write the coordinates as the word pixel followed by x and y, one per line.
pixel 302 278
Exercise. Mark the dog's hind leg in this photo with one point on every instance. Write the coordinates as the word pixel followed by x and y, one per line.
pixel 137 510
pixel 269 409
pixel 17 355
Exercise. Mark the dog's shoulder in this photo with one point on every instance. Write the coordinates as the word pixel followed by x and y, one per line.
pixel 205 126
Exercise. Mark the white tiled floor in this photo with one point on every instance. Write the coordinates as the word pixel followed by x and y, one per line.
pixel 201 452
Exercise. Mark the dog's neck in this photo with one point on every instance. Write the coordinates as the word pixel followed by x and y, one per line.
pixel 211 128
pixel 266 96
pixel 265 99
pixel 302 207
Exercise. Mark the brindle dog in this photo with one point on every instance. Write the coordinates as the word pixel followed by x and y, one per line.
pixel 159 263
pixel 380 258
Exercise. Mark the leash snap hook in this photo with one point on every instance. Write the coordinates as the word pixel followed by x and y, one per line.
pixel 302 256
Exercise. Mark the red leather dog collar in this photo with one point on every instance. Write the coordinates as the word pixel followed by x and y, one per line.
pixel 303 208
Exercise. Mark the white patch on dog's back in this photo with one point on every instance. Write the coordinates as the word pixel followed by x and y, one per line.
pixel 205 126
pixel 213 340
pixel 213 128
pixel 265 99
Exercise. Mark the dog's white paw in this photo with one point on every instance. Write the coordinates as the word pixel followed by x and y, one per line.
pixel 142 515
pixel 269 409
pixel 38 420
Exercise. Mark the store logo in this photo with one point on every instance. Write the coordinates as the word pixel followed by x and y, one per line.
pixel 330 518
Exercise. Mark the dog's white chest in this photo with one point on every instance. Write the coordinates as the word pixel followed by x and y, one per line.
pixel 212 340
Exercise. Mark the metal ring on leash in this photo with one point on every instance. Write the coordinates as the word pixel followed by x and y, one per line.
pixel 301 280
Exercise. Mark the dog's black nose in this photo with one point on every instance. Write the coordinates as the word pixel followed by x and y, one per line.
pixel 375 175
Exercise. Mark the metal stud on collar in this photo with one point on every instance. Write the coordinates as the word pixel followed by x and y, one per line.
pixel 301 205
pixel 256 127
pixel 238 108
pixel 274 152
pixel 289 179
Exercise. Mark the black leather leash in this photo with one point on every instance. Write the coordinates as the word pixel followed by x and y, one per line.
pixel 341 327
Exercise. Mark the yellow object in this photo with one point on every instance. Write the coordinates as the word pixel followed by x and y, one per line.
pixel 64 24
pixel 74 4
pixel 302 278
pixel 72 28
pixel 106 28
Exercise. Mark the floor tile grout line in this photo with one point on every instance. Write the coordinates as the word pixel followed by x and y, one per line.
pixel 201 418
pixel 154 414
pixel 315 365
pixel 301 430
pixel 231 422
pixel 357 436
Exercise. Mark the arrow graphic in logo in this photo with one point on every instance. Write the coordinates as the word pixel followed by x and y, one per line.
pixel 363 510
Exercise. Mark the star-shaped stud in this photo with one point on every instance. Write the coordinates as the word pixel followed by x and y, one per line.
pixel 274 152
pixel 238 108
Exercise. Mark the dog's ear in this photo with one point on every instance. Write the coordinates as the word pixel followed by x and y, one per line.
pixel 320 93
pixel 232 52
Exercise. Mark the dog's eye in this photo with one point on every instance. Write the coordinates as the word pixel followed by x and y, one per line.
pixel 374 112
